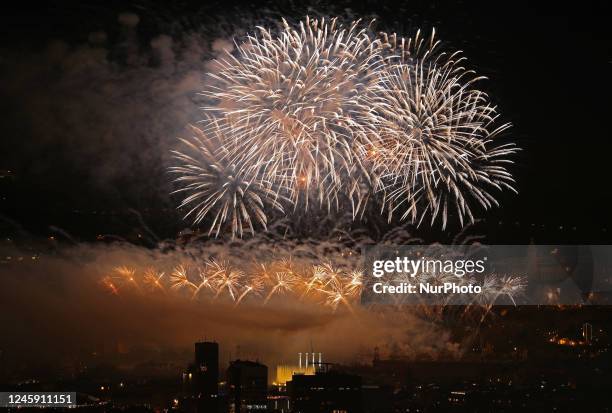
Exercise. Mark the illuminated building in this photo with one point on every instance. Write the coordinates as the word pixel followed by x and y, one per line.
pixel 285 372
pixel 305 366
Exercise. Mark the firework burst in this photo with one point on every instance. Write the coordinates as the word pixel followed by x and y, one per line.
pixel 226 277
pixel 436 142
pixel 179 279
pixel 153 279
pixel 206 282
pixel 221 183
pixel 299 98
pixel 333 114
pixel 252 285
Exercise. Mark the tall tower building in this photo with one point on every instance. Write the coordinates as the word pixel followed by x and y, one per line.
pixel 205 376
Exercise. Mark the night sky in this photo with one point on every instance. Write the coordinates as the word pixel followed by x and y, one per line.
pixel 71 152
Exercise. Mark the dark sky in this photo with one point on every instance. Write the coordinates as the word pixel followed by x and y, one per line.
pixel 548 64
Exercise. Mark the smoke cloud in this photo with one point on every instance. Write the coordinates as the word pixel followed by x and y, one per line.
pixel 108 111
pixel 60 301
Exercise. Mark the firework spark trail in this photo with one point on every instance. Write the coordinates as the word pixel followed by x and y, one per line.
pixel 511 286
pixel 227 278
pixel 127 276
pixel 355 284
pixel 252 286
pixel 108 283
pixel 337 287
pixel 206 282
pixel 282 280
pixel 153 279
pixel 316 280
pixel 179 279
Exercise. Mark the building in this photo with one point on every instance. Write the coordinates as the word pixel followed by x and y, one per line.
pixel 325 392
pixel 284 373
pixel 247 384
pixel 306 365
pixel 202 377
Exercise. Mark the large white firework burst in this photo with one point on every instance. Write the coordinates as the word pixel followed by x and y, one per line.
pixel 437 147
pixel 336 114
pixel 299 98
